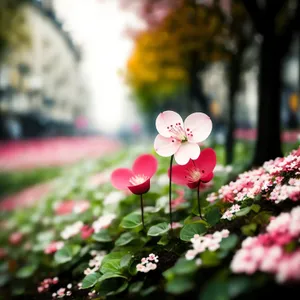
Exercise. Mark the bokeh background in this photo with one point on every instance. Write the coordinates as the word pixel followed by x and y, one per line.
pixel 81 79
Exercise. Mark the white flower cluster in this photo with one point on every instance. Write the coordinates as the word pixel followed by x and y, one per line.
pixel 71 230
pixel 95 262
pixel 229 213
pixel 209 242
pixel 103 222
pixel 147 264
pixel 114 198
pixel 62 292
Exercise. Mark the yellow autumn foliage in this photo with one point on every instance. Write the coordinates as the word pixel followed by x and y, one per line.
pixel 160 61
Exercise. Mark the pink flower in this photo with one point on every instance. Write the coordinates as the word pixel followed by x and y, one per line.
pixel 68 206
pixel 15 238
pixel 53 247
pixel 3 253
pixel 86 231
pixel 136 180
pixel 197 170
pixel 181 138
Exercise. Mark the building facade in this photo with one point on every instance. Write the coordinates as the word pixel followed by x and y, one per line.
pixel 45 79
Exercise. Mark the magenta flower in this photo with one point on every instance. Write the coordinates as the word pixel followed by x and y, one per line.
pixel 195 171
pixel 136 180
pixel 181 138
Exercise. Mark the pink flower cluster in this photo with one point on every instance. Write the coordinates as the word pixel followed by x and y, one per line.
pixel 15 238
pixel 288 164
pixel 266 181
pixel 267 252
pixel 62 292
pixel 147 264
pixel 46 284
pixel 229 213
pixel 53 247
pixel 209 242
pixel 286 191
pixel 95 262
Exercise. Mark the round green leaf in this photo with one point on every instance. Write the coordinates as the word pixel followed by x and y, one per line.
pixel 158 229
pixel 110 275
pixel 213 216
pixel 26 271
pixel 90 280
pixel 217 290
pixel 244 211
pixel 125 260
pixel 189 230
pixel 131 221
pixel 102 236
pixel 229 243
pixel 66 253
pixel 125 239
pixel 179 285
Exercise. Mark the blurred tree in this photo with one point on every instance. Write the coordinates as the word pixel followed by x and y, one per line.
pixel 240 39
pixel 275 23
pixel 14 33
pixel 173 51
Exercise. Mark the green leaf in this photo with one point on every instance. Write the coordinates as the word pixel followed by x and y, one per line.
pixel 66 253
pixel 213 216
pixel 210 259
pixel 255 207
pixel 164 240
pixel 111 286
pixel 125 239
pixel 102 236
pixel 249 229
pixel 132 220
pixel 110 275
pixel 90 280
pixel 179 285
pixel 189 230
pixel 125 260
pixel 216 290
pixel 4 279
pixel 26 271
pixel 148 291
pixel 229 242
pixel 244 211
pixel 239 285
pixel 158 229
pixel 135 287
pixel 184 267
pixel 112 265
pixel 262 218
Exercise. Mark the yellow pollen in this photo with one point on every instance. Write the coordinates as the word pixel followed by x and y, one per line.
pixel 193 175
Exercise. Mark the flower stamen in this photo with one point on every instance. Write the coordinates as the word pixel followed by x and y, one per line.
pixel 138 179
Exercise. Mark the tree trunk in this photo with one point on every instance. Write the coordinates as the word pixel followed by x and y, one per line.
pixel 268 143
pixel 234 83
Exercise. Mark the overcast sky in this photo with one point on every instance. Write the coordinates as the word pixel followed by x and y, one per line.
pixel 98 25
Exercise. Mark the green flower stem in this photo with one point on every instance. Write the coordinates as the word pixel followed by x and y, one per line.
pixel 198 199
pixel 142 211
pixel 170 193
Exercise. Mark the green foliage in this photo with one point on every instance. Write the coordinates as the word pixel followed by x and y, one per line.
pixel 102 236
pixel 90 280
pixel 189 230
pixel 66 253
pixel 159 229
pixel 132 220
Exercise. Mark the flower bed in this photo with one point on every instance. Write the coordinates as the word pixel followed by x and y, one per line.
pixel 89 241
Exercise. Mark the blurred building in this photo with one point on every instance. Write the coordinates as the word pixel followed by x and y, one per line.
pixel 44 82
